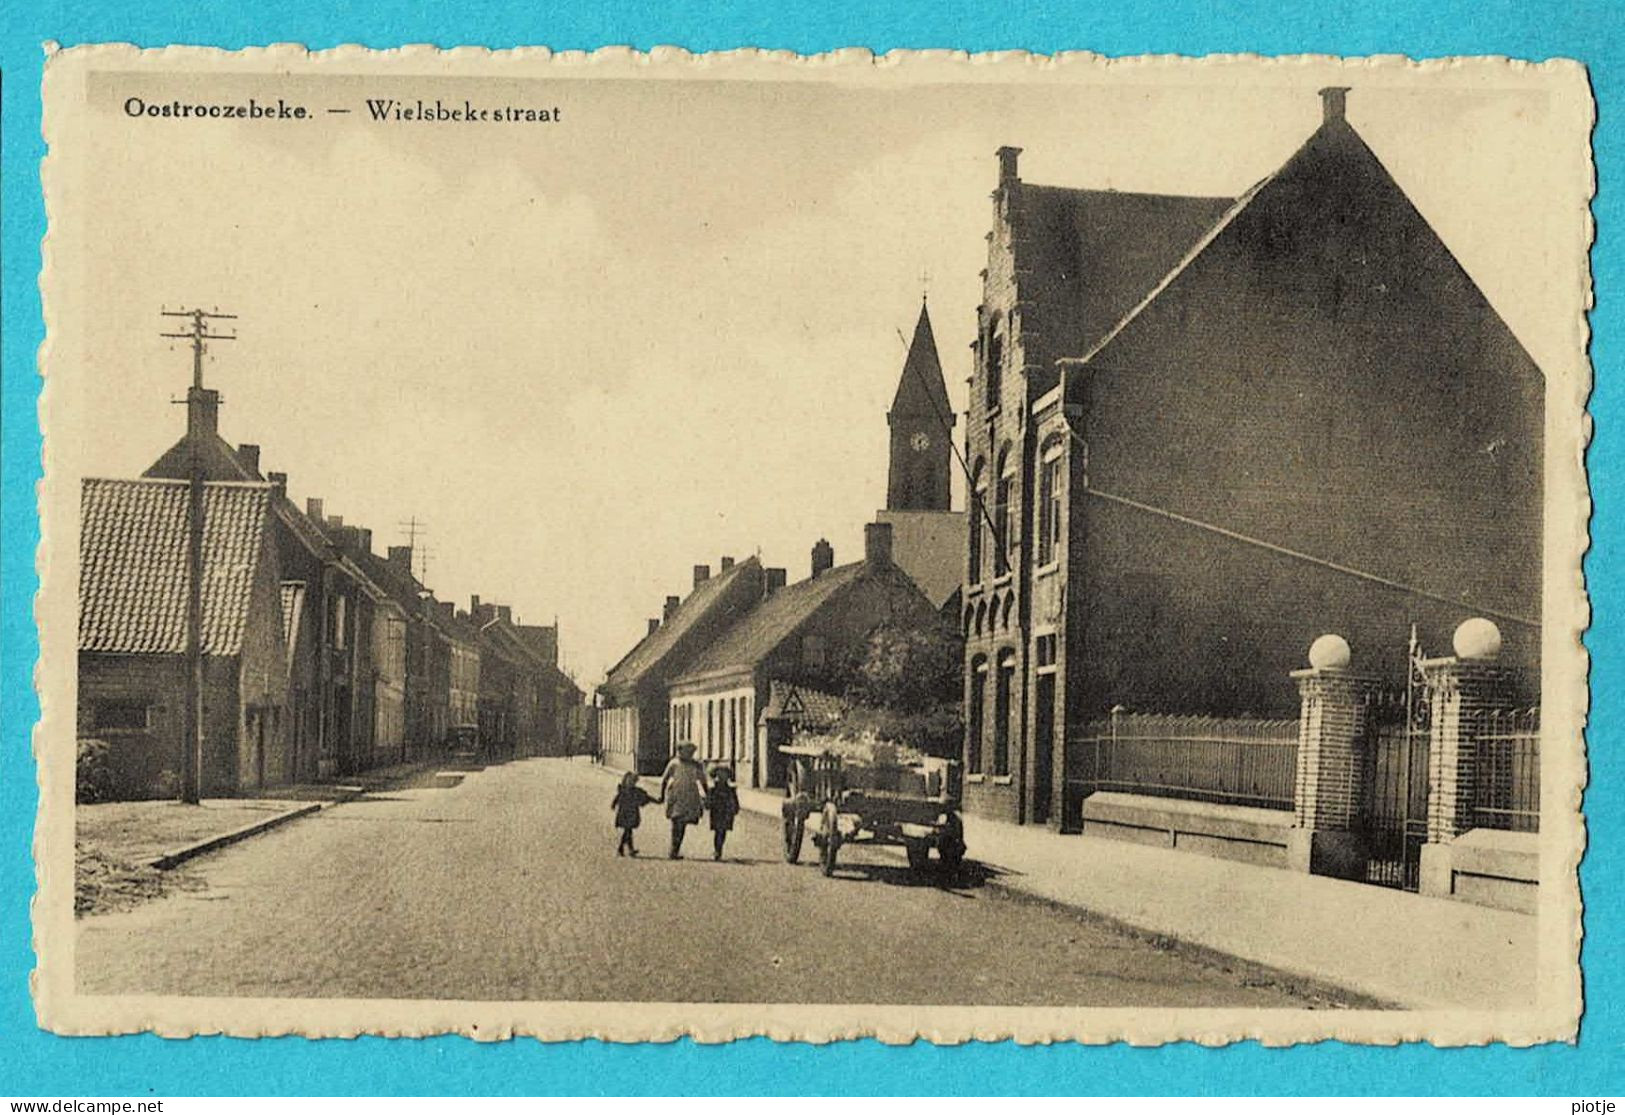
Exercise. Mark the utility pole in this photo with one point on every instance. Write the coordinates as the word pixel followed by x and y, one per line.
pixel 197 332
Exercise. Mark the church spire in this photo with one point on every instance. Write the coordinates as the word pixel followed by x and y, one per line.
pixel 920 389
pixel 921 420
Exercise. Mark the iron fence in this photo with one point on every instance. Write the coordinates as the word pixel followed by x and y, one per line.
pixel 1229 760
pixel 1506 782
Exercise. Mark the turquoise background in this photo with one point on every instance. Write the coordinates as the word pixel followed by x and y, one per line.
pixel 38 1064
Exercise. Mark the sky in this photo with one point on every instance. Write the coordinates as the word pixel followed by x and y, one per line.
pixel 591 354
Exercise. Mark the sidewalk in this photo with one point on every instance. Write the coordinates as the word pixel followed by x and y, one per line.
pixel 1398 947
pixel 124 849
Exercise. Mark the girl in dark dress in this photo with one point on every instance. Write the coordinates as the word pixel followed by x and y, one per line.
pixel 630 798
pixel 722 802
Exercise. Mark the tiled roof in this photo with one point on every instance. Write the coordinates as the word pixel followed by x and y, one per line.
pixel 1105 250
pixel 797 703
pixel 654 647
pixel 133 568
pixel 772 621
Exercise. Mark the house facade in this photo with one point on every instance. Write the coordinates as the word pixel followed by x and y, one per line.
pixel 133 639
pixel 1203 431
pixel 634 726
pixel 812 634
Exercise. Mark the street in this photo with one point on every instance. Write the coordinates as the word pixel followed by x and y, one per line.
pixel 507 887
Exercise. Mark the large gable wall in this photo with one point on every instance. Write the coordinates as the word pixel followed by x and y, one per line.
pixel 1323 376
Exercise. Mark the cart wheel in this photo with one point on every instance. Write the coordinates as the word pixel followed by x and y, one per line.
pixel 919 855
pixel 795 827
pixel 951 849
pixel 831 845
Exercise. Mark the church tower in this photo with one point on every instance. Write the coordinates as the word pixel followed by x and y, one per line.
pixel 921 421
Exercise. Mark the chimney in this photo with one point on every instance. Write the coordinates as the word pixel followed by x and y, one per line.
pixel 202 412
pixel 877 544
pixel 249 455
pixel 473 602
pixel 702 574
pixel 654 625
pixel 1007 166
pixel 313 508
pixel 335 521
pixel 446 609
pixel 727 563
pixel 671 606
pixel 1334 102
pixel 823 557
pixel 279 484
pixel 401 558
pixel 364 539
pixel 776 578
pixel 504 613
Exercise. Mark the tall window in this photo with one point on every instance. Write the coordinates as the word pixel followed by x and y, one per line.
pixel 1003 514
pixel 733 727
pixel 978 513
pixel 975 718
pixel 1001 713
pixel 995 365
pixel 1049 506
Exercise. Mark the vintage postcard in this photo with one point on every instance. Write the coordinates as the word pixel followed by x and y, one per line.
pixel 925 546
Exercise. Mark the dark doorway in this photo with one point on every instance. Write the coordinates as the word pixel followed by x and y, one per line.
pixel 1044 748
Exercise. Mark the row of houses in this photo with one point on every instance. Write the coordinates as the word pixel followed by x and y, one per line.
pixel 320 657
pixel 730 666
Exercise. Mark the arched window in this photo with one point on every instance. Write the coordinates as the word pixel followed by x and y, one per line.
pixel 1003 513
pixel 978 513
pixel 974 716
pixel 1002 709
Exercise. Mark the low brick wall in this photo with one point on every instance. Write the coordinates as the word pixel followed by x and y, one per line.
pixel 1234 832
pixel 1486 867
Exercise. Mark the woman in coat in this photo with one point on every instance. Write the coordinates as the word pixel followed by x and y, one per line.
pixel 683 788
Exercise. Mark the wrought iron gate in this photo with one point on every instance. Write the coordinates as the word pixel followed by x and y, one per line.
pixel 1394 805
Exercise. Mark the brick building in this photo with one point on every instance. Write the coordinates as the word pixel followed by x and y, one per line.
pixel 1203 431
pixel 132 636
pixel 632 722
pixel 329 603
pixel 811 634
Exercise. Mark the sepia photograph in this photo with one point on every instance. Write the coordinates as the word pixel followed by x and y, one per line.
pixel 919 546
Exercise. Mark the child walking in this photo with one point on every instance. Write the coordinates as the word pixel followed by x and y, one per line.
pixel 722 802
pixel 630 798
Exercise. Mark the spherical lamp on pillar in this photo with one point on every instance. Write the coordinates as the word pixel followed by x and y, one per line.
pixel 1330 652
pixel 1477 640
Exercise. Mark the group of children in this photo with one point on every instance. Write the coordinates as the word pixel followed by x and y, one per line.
pixel 686 793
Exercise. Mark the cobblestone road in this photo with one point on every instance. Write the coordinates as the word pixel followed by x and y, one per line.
pixel 507 887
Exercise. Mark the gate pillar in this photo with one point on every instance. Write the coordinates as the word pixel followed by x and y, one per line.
pixel 1327 789
pixel 1460 690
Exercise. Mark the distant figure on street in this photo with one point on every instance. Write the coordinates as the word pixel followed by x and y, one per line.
pixel 630 798
pixel 723 805
pixel 683 788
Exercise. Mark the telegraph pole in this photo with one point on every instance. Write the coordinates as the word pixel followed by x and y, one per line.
pixel 197 332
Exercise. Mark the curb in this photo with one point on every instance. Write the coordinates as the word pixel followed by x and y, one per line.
pixel 192 851
pixel 174 858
